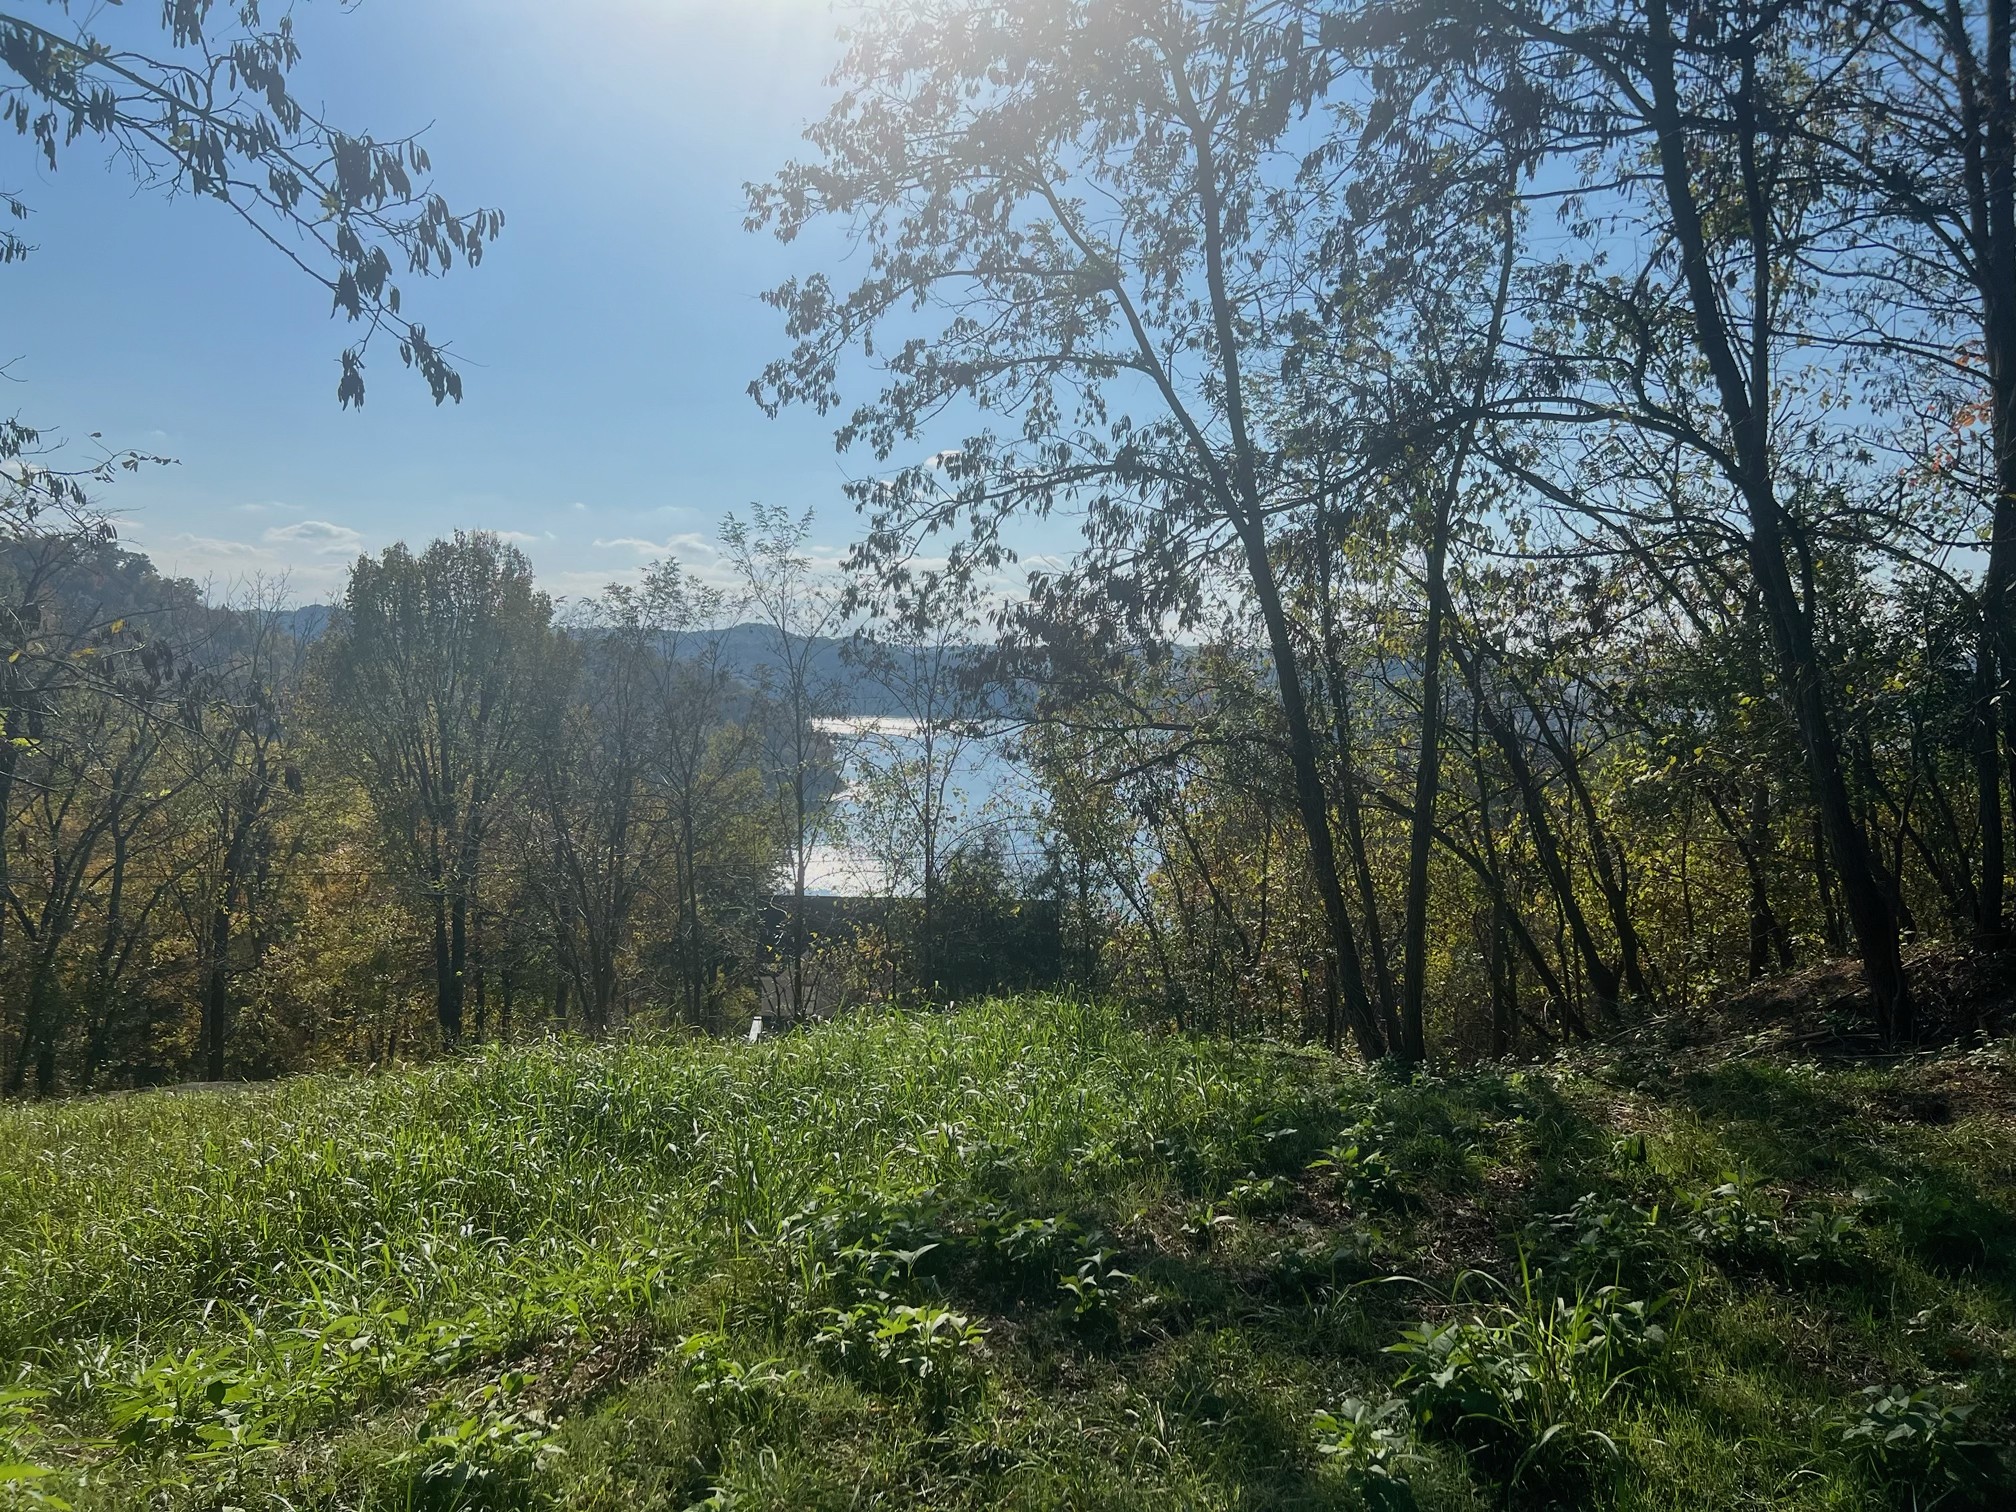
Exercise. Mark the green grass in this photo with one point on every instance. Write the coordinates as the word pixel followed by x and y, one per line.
pixel 1016 1256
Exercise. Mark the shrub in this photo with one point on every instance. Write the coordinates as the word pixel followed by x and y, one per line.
pixel 1094 1287
pixel 1260 1196
pixel 1359 1168
pixel 191 1404
pixel 894 1347
pixel 1372 1444
pixel 1607 1237
pixel 1733 1223
pixel 18 1475
pixel 484 1458
pixel 1022 1256
pixel 1913 1441
pixel 1521 1382
pixel 1824 1243
pixel 732 1393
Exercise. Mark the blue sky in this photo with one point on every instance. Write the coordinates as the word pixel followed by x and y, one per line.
pixel 607 340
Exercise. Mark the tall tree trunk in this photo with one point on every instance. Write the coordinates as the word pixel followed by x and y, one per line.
pixel 1241 495
pixel 217 969
pixel 927 953
pixel 1745 401
pixel 24 1048
pixel 458 959
pixel 798 939
pixel 1312 803
pixel 448 969
pixel 104 974
pixel 1386 996
pixel 1752 838
pixel 1988 112
pixel 1504 984
pixel 1501 968
pixel 1490 871
pixel 689 913
pixel 1607 861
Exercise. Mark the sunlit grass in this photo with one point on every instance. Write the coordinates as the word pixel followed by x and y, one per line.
pixel 1020 1255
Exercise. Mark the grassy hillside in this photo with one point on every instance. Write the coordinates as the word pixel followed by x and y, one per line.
pixel 1017 1256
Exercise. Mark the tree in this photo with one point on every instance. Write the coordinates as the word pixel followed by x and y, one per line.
pixel 925 657
pixel 1702 345
pixel 208 111
pixel 802 611
pixel 234 729
pixel 1095 208
pixel 707 760
pixel 1923 140
pixel 599 837
pixel 439 683
pixel 89 684
pixel 97 780
pixel 215 116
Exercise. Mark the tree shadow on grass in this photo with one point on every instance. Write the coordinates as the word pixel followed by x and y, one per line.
pixel 1792 1128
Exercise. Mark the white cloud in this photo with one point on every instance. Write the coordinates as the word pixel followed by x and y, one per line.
pixel 311 556
pixel 692 549
pixel 687 545
pixel 520 537
pixel 317 536
pixel 211 549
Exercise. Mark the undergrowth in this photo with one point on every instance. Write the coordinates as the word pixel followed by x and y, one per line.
pixel 1020 1255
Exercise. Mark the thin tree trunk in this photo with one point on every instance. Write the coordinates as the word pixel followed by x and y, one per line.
pixel 1603 979
pixel 1752 838
pixel 217 992
pixel 1387 996
pixel 1427 783
pixel 1988 924
pixel 449 942
pixel 1312 803
pixel 1606 862
pixel 1503 970
pixel 1243 497
pixel 1413 1045
pixel 1989 132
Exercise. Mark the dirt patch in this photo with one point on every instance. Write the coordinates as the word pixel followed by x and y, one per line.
pixel 584 1375
pixel 1966 997
pixel 1918 1105
pixel 1970 1086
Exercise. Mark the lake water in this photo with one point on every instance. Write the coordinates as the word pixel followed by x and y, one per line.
pixel 989 792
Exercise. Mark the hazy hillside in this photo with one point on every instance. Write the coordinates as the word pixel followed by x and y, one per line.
pixel 750 651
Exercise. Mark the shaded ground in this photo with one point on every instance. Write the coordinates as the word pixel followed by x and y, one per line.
pixel 1963 994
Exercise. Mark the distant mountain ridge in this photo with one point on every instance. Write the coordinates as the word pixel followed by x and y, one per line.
pixel 749 651
pixel 103 581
